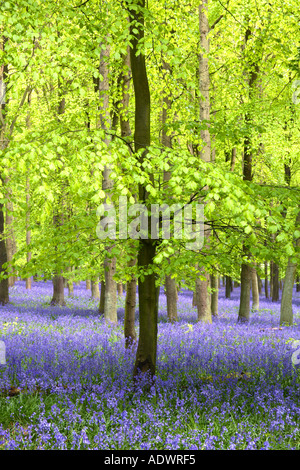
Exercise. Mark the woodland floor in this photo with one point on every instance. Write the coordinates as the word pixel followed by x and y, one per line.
pixel 68 383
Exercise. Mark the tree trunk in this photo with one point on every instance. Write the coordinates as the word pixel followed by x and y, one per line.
pixel 244 308
pixel 255 290
pixel 286 308
pixel 246 271
pixel 70 284
pixel 170 283
pixel 95 289
pixel 271 279
pixel 88 284
pixel 110 301
pixel 110 296
pixel 148 294
pixel 228 289
pixel 214 295
pixel 130 305
pixel 203 296
pixel 203 301
pixel 120 288
pixel 4 296
pixel 275 283
pixel 171 295
pixel 298 283
pixel 266 281
pixel 10 236
pixel 58 297
pixel 102 298
pixel 28 231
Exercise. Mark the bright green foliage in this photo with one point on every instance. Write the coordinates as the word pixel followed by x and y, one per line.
pixel 58 44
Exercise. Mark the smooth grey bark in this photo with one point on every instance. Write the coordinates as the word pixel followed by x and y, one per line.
pixel 95 289
pixel 166 139
pixel 110 298
pixel 171 296
pixel 246 271
pixel 244 308
pixel 58 217
pixel 286 307
pixel 28 231
pixel 10 236
pixel 202 292
pixel 203 301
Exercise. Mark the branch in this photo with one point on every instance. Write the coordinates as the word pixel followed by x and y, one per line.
pixel 220 17
pixel 81 4
pixel 28 89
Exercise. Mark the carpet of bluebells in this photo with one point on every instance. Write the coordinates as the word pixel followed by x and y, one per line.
pixel 67 383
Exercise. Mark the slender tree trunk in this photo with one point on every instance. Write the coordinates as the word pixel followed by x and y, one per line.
pixel 120 288
pixel 102 298
pixel 95 289
pixel 246 271
pixel 228 289
pixel 70 284
pixel 255 290
pixel 171 295
pixel 130 305
pixel 203 301
pixel 28 231
pixel 286 308
pixel 10 236
pixel 58 217
pixel 298 283
pixel 170 283
pixel 271 279
pixel 194 299
pixel 266 281
pixel 233 159
pixel 244 309
pixel 130 299
pixel 88 284
pixel 215 294
pixel 148 293
pixel 275 283
pixel 4 294
pixel 203 296
pixel 110 300
pixel 260 284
